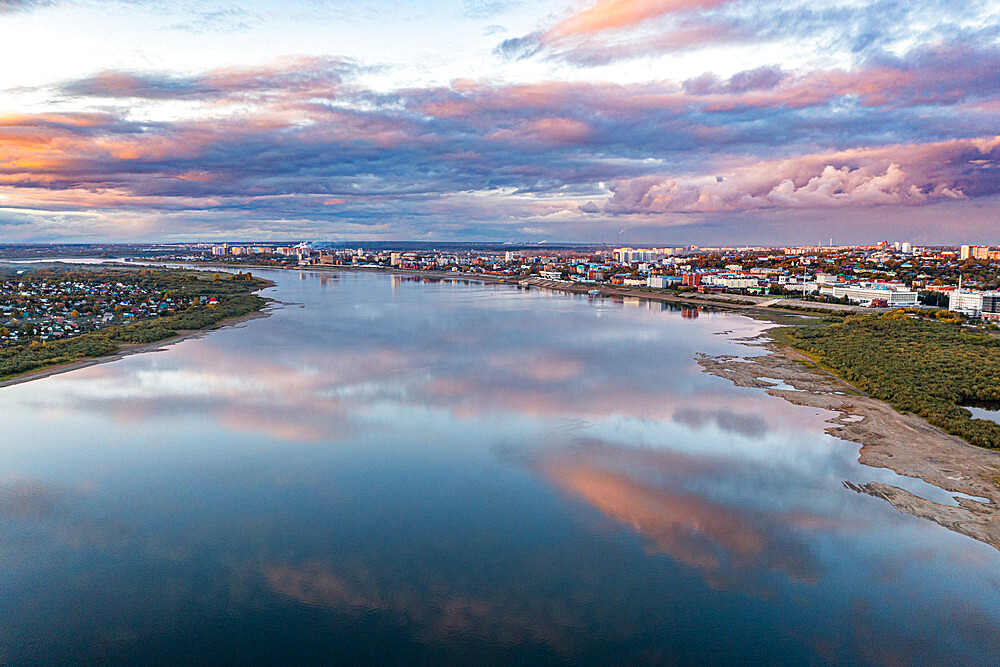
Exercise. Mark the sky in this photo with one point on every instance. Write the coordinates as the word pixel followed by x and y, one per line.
pixel 664 122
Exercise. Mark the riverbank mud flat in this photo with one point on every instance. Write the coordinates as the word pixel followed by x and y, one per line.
pixel 903 443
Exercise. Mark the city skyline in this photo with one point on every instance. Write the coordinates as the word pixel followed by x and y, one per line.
pixel 666 121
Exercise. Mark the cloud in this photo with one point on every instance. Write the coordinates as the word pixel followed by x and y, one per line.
pixel 486 9
pixel 905 174
pixel 548 130
pixel 302 76
pixel 578 37
pixel 762 78
pixel 13 6
pixel 281 140
pixel 606 15
pixel 226 19
pixel 615 30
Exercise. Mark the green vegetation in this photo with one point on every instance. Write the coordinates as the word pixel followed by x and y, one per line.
pixel 929 368
pixel 819 309
pixel 232 295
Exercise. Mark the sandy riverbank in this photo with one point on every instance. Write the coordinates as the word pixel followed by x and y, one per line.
pixel 903 443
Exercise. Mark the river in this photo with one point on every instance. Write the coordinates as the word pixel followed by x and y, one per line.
pixel 394 469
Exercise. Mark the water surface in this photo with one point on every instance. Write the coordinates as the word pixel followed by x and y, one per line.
pixel 409 471
pixel 985 410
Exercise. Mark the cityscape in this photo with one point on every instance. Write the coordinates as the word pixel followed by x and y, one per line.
pixel 494 332
pixel 882 275
pixel 878 278
pixel 47 309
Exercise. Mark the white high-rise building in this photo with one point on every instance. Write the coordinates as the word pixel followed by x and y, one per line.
pixel 868 296
pixel 967 302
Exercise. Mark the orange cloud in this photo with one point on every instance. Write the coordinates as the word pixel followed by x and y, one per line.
pixel 709 536
pixel 614 14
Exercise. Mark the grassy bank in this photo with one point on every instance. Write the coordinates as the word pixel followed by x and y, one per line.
pixel 232 295
pixel 923 367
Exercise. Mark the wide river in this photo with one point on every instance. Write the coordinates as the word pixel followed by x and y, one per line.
pixel 395 470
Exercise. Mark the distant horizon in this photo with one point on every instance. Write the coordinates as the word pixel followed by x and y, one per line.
pixel 766 122
pixel 487 242
pixel 590 353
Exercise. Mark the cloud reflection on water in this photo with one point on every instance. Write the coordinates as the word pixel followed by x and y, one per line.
pixel 716 538
pixel 322 389
pixel 474 461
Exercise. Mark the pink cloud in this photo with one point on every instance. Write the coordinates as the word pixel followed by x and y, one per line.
pixel 908 174
pixel 925 77
pixel 303 77
pixel 292 149
pixel 561 130
pixel 615 14
pixel 546 130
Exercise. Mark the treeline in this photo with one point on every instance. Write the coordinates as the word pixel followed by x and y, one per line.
pixel 233 300
pixel 919 366
pixel 179 282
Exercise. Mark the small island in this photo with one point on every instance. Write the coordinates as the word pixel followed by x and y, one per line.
pixel 56 317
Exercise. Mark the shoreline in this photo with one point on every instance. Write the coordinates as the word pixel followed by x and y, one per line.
pixel 738 302
pixel 903 443
pixel 129 349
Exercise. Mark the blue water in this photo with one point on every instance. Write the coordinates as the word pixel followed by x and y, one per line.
pixel 395 470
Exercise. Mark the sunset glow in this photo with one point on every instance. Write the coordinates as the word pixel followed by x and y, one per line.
pixel 681 121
